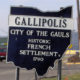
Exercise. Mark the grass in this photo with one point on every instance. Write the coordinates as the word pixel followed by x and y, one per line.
pixel 69 77
pixel 3 40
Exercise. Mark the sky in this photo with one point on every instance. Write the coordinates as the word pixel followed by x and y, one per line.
pixel 44 5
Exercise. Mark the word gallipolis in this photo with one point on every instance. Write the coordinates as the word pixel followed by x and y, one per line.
pixel 37 21
pixel 41 22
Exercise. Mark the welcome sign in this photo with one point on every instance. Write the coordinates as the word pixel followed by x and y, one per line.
pixel 37 39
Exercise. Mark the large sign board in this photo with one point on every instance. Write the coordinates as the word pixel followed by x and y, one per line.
pixel 37 39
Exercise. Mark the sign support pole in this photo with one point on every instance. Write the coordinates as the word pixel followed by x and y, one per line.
pixel 36 76
pixel 17 73
pixel 59 69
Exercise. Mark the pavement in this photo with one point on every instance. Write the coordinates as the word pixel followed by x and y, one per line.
pixel 8 71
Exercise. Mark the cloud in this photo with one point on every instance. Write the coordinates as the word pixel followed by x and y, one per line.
pixel 23 2
pixel 20 1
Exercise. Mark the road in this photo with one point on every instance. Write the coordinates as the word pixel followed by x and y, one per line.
pixel 8 71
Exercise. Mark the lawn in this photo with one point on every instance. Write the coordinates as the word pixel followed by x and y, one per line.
pixel 69 77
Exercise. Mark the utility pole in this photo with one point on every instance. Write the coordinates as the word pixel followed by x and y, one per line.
pixel 78 8
pixel 78 19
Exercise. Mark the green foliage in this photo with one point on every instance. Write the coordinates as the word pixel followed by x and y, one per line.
pixel 3 40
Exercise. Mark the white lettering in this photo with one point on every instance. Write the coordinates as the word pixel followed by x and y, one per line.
pixel 60 34
pixel 38 53
pixel 29 32
pixel 39 41
pixel 40 47
pixel 38 59
pixel 42 33
pixel 16 32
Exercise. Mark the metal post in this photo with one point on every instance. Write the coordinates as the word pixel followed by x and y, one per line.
pixel 59 69
pixel 36 75
pixel 17 73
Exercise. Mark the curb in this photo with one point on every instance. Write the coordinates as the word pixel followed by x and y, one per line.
pixel 73 63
